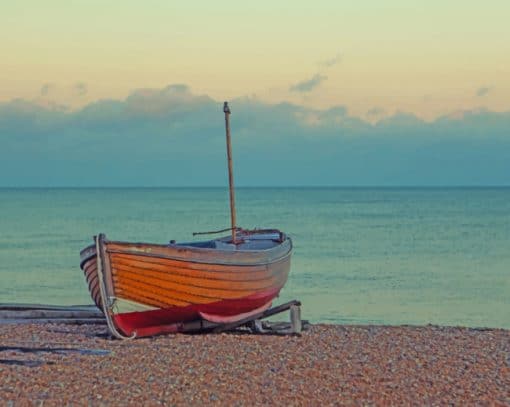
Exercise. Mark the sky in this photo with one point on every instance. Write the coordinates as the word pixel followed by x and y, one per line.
pixel 323 93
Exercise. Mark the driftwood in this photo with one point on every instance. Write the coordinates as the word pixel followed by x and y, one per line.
pixel 36 313
pixel 22 306
pixel 48 314
pixel 67 321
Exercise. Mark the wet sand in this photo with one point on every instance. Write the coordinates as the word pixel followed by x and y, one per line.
pixel 55 364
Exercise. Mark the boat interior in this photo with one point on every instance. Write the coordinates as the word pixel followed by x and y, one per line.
pixel 256 241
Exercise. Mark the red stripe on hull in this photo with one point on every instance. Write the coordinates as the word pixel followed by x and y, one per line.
pixel 166 320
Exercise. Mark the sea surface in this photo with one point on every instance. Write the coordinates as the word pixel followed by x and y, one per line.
pixel 361 255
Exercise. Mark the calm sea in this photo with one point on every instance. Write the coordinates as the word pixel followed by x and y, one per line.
pixel 361 255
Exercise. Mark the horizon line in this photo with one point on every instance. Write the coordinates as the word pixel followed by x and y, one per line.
pixel 453 186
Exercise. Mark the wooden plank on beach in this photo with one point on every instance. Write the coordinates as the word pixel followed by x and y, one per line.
pixel 49 314
pixel 21 307
pixel 67 321
pixel 38 313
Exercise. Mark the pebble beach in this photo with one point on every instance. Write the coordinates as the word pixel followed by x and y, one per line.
pixel 54 364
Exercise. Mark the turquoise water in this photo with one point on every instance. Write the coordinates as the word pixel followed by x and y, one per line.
pixel 362 255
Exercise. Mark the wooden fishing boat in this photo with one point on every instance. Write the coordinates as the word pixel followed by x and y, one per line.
pixel 147 289
pixel 150 289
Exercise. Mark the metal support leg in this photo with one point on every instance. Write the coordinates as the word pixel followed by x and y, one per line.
pixel 295 319
pixel 280 328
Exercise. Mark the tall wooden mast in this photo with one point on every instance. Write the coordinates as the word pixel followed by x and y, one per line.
pixel 226 110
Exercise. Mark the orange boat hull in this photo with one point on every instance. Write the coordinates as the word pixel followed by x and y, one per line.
pixel 152 289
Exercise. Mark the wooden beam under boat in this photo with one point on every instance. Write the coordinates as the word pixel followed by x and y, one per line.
pixel 39 313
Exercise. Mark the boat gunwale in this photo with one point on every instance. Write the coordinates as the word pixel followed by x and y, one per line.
pixel 187 246
pixel 202 249
pixel 196 250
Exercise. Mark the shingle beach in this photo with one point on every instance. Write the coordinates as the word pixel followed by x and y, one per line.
pixel 328 364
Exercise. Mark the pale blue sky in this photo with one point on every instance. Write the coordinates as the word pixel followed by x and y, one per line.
pixel 323 93
pixel 429 58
